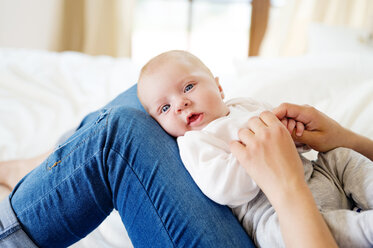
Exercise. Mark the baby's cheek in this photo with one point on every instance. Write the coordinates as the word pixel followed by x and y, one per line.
pixel 167 128
pixel 176 130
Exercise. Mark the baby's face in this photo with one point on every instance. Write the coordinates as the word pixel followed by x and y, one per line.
pixel 182 97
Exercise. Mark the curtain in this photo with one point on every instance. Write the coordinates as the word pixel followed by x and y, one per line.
pixel 97 27
pixel 287 31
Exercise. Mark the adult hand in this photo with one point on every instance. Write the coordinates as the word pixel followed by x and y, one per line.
pixel 321 132
pixel 268 154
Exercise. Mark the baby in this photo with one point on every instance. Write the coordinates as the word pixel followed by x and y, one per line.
pixel 184 97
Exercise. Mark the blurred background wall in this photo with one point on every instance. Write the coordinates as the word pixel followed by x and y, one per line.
pixel 291 24
pixel 143 28
pixel 30 24
pixel 94 27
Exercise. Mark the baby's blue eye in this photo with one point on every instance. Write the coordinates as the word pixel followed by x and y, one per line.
pixel 188 87
pixel 165 108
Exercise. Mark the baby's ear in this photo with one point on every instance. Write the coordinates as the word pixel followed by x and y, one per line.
pixel 219 87
pixel 222 93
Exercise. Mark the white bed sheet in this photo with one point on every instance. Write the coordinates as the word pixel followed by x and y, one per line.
pixel 43 94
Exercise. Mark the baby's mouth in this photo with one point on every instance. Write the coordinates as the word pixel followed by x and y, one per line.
pixel 194 119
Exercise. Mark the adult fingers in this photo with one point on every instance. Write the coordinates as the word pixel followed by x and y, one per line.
pixel 238 150
pixel 297 112
pixel 256 124
pixel 271 119
pixel 311 138
pixel 287 110
pixel 245 135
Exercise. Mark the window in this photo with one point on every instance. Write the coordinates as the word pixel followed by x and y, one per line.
pixel 218 30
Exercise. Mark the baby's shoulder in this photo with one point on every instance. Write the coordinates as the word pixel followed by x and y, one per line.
pixel 248 103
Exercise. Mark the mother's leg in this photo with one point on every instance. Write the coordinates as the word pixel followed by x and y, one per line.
pixel 12 171
pixel 121 158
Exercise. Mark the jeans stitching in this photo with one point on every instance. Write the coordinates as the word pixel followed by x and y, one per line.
pixel 156 210
pixel 9 231
pixel 80 143
pixel 56 186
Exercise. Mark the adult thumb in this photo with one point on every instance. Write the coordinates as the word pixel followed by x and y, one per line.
pixel 310 138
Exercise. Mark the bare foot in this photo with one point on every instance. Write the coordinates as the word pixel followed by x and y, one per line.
pixel 14 170
pixel 4 192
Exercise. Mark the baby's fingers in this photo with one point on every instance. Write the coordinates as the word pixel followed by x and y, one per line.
pixel 299 129
pixel 284 121
pixel 291 125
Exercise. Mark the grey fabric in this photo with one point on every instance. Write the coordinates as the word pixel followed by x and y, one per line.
pixel 339 180
pixel 350 185
pixel 11 233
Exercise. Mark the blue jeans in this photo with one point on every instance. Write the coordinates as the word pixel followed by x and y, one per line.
pixel 120 158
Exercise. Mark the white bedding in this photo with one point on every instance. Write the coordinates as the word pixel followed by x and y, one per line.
pixel 43 94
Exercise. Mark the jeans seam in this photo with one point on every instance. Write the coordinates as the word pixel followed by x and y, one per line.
pixel 12 229
pixel 56 186
pixel 156 210
pixel 79 144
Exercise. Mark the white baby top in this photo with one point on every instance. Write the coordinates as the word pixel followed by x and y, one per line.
pixel 207 157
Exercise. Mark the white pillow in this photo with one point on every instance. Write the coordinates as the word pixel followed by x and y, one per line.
pixel 327 39
pixel 308 79
pixel 352 108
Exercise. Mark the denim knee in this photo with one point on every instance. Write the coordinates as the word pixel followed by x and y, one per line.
pixel 156 197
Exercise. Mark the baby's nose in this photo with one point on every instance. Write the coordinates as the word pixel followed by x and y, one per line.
pixel 183 104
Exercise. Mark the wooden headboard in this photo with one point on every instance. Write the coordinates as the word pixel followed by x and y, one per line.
pixel 259 21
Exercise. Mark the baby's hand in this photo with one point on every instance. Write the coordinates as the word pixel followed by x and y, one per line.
pixel 292 125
